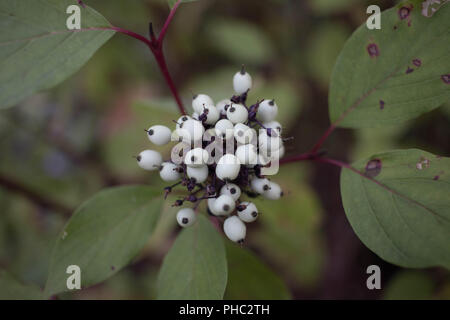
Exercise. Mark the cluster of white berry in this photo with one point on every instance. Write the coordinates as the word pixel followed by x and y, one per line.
pixel 221 154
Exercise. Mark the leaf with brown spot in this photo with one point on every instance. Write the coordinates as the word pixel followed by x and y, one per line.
pixel 403 212
pixel 399 64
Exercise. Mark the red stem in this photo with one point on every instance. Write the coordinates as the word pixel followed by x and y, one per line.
pixel 156 47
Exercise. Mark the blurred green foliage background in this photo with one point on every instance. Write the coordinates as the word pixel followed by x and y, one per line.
pixel 70 142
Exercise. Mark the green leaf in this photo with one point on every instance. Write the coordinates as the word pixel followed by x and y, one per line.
pixel 240 41
pixel 196 265
pixel 104 235
pixel 11 289
pixel 409 285
pixel 38 51
pixel 377 90
pixel 172 2
pixel 250 278
pixel 400 208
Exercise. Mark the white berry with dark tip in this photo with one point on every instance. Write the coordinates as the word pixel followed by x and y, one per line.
pixel 196 157
pixel 235 229
pixel 237 113
pixel 169 171
pixel 191 131
pixel 149 160
pixel 224 205
pixel 182 119
pixel 247 211
pixel 159 135
pixel 232 190
pixel 267 111
pixel 260 185
pixel 274 125
pixel 186 217
pixel 200 174
pixel 222 106
pixel 242 82
pixel 200 100
pixel 247 154
pixel 228 167
pixel 274 191
pixel 211 113
pixel 243 133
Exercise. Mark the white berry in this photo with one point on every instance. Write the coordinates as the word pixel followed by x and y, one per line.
pixel 267 110
pixel 169 171
pixel 222 106
pixel 237 113
pixel 200 100
pixel 224 128
pixel 196 157
pixel 200 174
pixel 234 229
pixel 228 167
pixel 224 205
pixel 242 82
pixel 212 209
pixel 274 125
pixel 268 143
pixel 243 134
pixel 191 131
pixel 186 217
pixel 232 190
pixel 212 114
pixel 149 160
pixel 247 211
pixel 260 185
pixel 247 154
pixel 159 135
pixel 274 192
pixel 181 120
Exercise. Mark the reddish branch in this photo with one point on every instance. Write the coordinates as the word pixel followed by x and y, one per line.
pixel 156 47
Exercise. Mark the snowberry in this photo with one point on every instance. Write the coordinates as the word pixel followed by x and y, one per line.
pixel 243 134
pixel 224 128
pixel 200 100
pixel 224 205
pixel 169 171
pixel 232 190
pixel 200 174
pixel 186 217
pixel 260 185
pixel 274 191
pixel 275 154
pixel 267 110
pixel 247 211
pixel 234 229
pixel 211 114
pixel 242 82
pixel 211 207
pixel 247 154
pixel 149 160
pixel 268 143
pixel 191 131
pixel 181 120
pixel 196 157
pixel 228 167
pixel 237 113
pixel 222 106
pixel 274 125
pixel 159 135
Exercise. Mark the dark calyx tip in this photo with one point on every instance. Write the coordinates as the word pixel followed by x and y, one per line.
pixel 254 214
pixel 226 207
pixel 243 70
pixel 240 241
pixel 138 158
pixel 185 220
pixel 194 96
pixel 232 190
pixel 272 102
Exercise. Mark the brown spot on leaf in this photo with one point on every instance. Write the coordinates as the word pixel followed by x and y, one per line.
pixel 446 78
pixel 381 104
pixel 417 62
pixel 409 70
pixel 436 178
pixel 373 50
pixel 113 268
pixel 373 168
